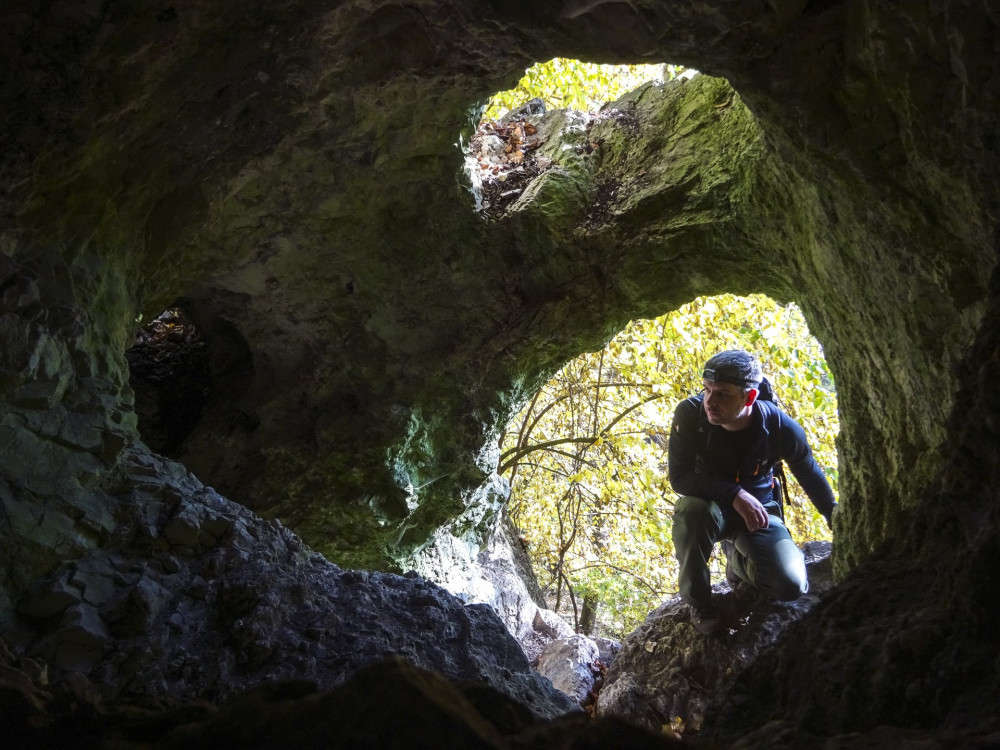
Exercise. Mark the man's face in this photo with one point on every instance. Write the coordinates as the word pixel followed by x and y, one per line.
pixel 724 402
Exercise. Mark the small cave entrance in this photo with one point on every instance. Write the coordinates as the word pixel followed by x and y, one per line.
pixel 170 374
pixel 195 378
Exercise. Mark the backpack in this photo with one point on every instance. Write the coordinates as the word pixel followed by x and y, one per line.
pixel 765 392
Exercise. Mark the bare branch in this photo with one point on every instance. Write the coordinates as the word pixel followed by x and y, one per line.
pixel 546 446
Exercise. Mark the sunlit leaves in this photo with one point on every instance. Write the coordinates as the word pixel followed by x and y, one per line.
pixel 570 84
pixel 585 460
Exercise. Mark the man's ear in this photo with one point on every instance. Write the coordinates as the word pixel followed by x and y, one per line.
pixel 751 396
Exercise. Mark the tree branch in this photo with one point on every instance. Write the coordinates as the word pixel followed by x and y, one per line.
pixel 548 445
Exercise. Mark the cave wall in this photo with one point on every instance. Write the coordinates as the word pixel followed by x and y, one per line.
pixel 290 172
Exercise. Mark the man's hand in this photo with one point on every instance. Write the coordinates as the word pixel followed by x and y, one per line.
pixel 751 511
pixel 829 516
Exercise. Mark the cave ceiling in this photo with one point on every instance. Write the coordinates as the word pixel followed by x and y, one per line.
pixel 291 175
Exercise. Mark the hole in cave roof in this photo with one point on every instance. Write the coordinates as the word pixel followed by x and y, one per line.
pixel 502 156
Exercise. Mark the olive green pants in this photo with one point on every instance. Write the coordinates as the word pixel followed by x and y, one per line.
pixel 767 559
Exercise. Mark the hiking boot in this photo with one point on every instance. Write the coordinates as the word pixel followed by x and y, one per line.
pixel 706 620
pixel 731 578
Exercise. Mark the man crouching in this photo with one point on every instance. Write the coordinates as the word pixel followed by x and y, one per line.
pixel 724 445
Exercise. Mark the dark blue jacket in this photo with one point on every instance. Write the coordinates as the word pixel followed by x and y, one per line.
pixel 701 464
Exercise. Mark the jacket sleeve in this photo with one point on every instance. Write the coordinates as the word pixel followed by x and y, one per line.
pixel 796 451
pixel 682 458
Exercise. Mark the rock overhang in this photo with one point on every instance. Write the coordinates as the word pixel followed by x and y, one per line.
pixel 304 187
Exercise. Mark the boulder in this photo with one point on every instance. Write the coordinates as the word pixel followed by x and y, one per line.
pixel 198 596
pixel 667 673
pixel 571 664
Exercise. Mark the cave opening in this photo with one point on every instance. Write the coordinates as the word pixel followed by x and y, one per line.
pixel 170 375
pixel 506 151
pixel 586 456
pixel 193 375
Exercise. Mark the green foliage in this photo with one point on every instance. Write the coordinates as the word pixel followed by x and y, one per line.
pixel 570 84
pixel 588 475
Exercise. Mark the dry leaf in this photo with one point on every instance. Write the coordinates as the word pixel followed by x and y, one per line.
pixel 517 157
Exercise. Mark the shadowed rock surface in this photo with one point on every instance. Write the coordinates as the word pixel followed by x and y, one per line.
pixel 195 596
pixel 287 174
pixel 666 674
pixel 391 704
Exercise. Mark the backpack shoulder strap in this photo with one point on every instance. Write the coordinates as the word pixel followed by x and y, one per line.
pixel 780 486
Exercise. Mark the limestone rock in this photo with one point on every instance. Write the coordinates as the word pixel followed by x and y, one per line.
pixel 207 599
pixel 607 649
pixel 667 673
pixel 501 576
pixel 570 664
